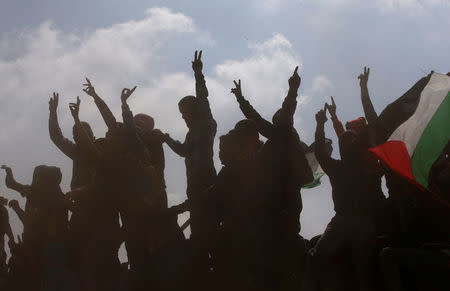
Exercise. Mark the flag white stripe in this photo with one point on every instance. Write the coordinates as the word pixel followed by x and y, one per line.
pixel 431 98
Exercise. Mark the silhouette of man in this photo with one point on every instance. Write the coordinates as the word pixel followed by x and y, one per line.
pixel 356 193
pixel 286 170
pixel 197 149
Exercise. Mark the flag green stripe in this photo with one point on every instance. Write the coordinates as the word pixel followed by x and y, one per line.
pixel 432 142
pixel 315 182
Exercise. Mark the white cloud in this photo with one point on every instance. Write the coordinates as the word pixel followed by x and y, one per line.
pixel 321 84
pixel 410 7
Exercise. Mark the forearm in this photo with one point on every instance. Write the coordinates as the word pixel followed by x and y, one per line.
pixel 319 149
pixel 106 113
pixel 65 145
pixel 288 108
pixel 265 128
pixel 369 110
pixel 337 125
pixel 176 146
pixel 201 90
pixel 11 183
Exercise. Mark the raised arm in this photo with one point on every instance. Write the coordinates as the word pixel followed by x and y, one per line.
pixel 137 146
pixel 11 183
pixel 106 113
pixel 286 113
pixel 323 156
pixel 85 142
pixel 265 128
pixel 337 124
pixel 65 145
pixel 201 92
pixel 369 111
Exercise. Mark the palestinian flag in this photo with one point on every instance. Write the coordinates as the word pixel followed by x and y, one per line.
pixel 423 116
pixel 314 164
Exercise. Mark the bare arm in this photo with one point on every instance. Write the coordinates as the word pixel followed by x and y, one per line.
pixel 65 145
pixel 265 128
pixel 106 113
pixel 369 111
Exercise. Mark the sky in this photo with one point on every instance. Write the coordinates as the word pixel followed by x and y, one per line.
pixel 52 45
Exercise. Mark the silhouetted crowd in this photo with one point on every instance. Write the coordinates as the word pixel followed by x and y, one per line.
pixel 244 219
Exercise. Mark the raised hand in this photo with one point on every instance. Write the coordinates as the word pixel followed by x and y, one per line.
pixel 75 108
pixel 197 64
pixel 126 93
pixel 331 108
pixel 90 90
pixel 237 90
pixel 294 80
pixel 53 103
pixel 7 169
pixel 321 116
pixel 364 77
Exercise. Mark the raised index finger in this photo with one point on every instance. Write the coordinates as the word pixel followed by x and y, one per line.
pixel 132 90
pixel 195 56
pixel 295 70
pixel 332 101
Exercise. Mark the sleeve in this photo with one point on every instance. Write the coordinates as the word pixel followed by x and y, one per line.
pixel 288 107
pixel 137 146
pixel 65 145
pixel 203 107
pixel 369 111
pixel 265 127
pixel 176 146
pixel 337 125
pixel 106 113
pixel 328 164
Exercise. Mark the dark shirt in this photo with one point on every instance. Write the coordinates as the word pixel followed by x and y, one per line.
pixel 285 166
pixel 356 187
pixel 197 148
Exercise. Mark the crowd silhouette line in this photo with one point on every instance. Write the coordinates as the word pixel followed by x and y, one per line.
pixel 244 219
